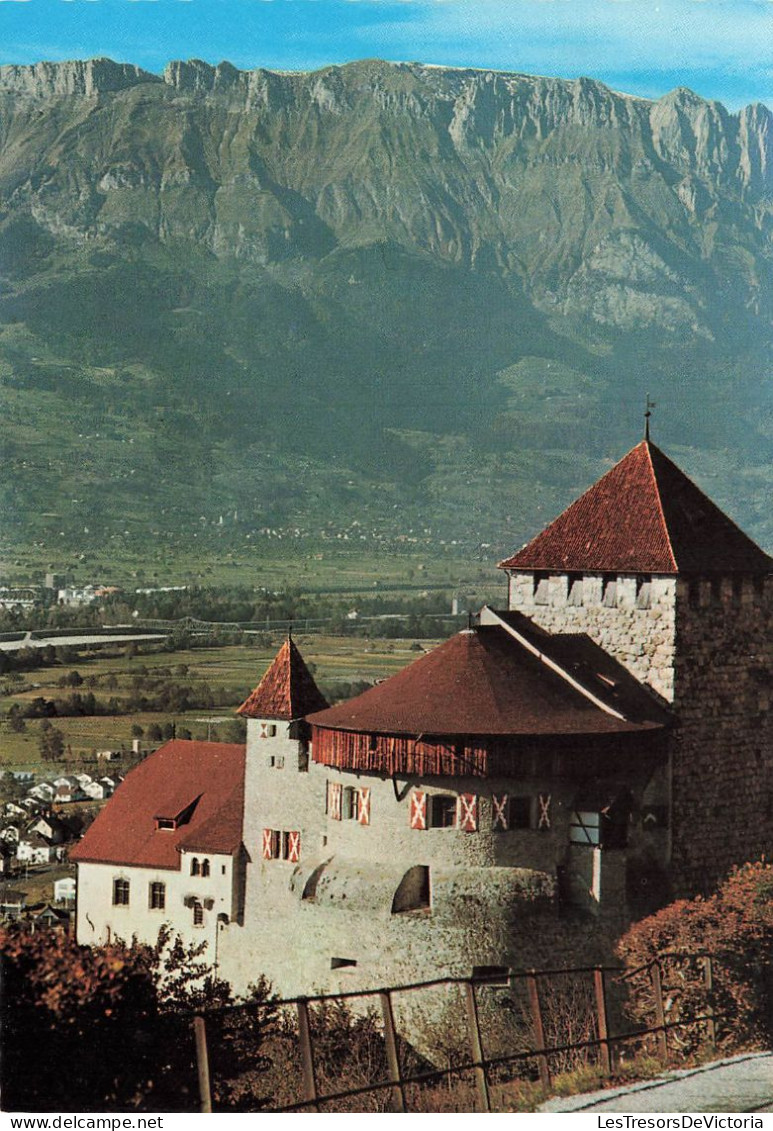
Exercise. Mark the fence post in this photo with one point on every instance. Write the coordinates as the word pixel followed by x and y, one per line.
pixel 393 1061
pixel 660 1013
pixel 307 1054
pixel 202 1064
pixel 477 1046
pixel 708 981
pixel 539 1030
pixel 603 1020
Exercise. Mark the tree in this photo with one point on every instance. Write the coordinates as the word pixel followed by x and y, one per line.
pixel 137 731
pixel 16 719
pixel 134 1006
pixel 51 743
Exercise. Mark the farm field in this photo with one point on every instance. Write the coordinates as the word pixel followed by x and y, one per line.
pixel 340 665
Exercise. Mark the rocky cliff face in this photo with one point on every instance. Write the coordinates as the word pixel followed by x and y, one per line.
pixel 396 227
pixel 549 181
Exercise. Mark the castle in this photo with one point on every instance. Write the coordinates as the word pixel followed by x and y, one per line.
pixel 514 796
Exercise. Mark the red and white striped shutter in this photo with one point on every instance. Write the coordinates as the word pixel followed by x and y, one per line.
pixel 499 812
pixel 363 806
pixel 418 810
pixel 294 847
pixel 336 797
pixel 543 821
pixel 264 730
pixel 467 812
pixel 268 844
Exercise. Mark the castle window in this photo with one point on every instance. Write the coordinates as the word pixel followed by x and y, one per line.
pixel 737 590
pixel 195 866
pixel 442 811
pixel 157 896
pixel 716 590
pixel 120 893
pixel 205 867
pixel 349 806
pixel 282 845
pixel 342 963
pixel 609 591
pixel 605 828
pixel 643 591
pixel 198 914
pixel 511 813
pixel 413 891
pixel 584 828
pixel 276 761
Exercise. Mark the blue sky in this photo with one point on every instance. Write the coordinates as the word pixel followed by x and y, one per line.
pixel 723 49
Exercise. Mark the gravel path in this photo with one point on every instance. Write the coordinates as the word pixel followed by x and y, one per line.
pixel 741 1084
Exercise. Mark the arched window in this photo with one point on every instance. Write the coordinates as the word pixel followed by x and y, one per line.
pixel 205 867
pixel 413 891
pixel 195 869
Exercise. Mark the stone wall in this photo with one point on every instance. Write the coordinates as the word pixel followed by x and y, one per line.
pixel 706 645
pixel 722 765
pixel 329 921
pixel 631 616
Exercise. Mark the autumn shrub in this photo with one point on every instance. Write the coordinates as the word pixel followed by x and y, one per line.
pixel 735 927
pixel 109 1029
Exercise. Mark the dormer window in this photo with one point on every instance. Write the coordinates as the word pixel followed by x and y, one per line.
pixel 173 818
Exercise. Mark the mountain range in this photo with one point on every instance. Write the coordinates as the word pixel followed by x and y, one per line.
pixel 380 301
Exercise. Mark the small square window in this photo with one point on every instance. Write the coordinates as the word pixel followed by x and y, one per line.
pixel 442 811
pixel 520 812
pixel 584 828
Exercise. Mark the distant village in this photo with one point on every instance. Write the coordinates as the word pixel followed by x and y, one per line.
pixel 41 817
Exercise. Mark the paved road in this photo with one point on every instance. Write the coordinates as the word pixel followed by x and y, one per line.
pixel 83 641
pixel 741 1084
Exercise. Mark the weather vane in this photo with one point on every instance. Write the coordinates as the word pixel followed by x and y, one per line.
pixel 647 414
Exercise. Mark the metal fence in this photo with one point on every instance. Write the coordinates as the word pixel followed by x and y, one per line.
pixel 600 1040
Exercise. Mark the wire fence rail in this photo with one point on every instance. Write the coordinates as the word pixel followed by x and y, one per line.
pixel 535 985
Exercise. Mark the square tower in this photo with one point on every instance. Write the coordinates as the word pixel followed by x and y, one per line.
pixel 655 573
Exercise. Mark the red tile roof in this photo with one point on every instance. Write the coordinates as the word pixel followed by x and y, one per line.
pixel 203 781
pixel 287 690
pixel 643 516
pixel 484 682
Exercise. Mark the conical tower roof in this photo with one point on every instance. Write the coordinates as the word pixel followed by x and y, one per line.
pixel 643 516
pixel 484 682
pixel 287 690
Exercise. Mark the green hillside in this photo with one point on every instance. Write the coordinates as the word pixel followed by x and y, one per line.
pixel 382 305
